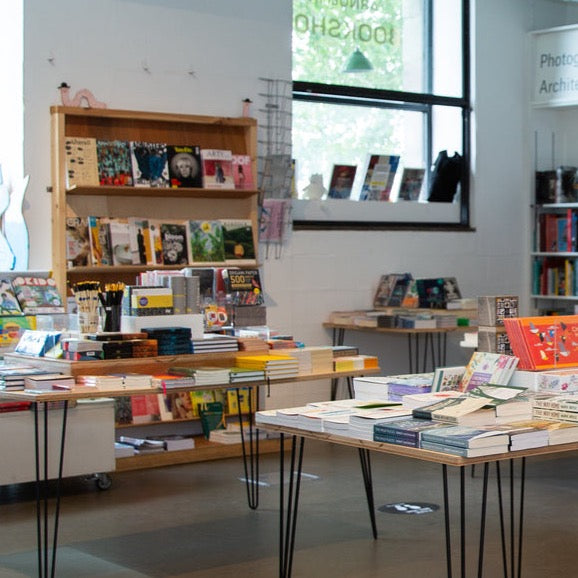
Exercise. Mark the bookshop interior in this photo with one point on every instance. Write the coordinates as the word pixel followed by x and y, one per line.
pixel 289 288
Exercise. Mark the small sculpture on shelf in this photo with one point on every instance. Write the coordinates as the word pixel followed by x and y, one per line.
pixel 82 95
pixel 315 189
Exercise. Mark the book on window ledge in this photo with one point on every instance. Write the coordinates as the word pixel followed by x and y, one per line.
pixel 185 166
pixel 341 183
pixel 379 176
pixel 411 184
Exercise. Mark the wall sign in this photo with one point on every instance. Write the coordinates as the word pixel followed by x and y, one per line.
pixel 555 66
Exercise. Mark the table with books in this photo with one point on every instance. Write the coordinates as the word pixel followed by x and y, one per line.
pixel 401 431
pixel 426 345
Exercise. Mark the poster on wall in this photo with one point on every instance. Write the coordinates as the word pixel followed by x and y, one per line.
pixel 555 66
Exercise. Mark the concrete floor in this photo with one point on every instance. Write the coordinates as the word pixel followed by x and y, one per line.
pixel 194 521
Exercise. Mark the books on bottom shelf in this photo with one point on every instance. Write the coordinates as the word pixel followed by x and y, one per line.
pixel 232 435
pixel 174 442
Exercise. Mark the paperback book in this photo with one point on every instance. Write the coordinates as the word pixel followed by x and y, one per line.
pixel 81 162
pixel 238 241
pixel 411 184
pixel 174 243
pixel 99 235
pixel 114 163
pixel 341 183
pixel 379 176
pixel 77 242
pixel 206 241
pixel 217 169
pixel 184 164
pixel 8 302
pixel 120 241
pixel 37 295
pixel 243 172
pixel 149 164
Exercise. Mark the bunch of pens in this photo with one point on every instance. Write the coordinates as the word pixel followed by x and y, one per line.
pixel 111 300
pixel 86 295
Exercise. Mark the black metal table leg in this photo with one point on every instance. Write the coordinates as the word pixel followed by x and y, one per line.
pixel 447 522
pixel 47 564
pixel 288 523
pixel 368 483
pixel 250 457
pixel 483 521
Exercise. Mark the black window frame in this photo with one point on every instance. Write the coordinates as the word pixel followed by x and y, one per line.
pixel 407 101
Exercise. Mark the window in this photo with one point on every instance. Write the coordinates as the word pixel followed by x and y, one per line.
pixel 382 77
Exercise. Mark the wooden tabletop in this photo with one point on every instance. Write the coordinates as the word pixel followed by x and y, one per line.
pixel 87 392
pixel 418 453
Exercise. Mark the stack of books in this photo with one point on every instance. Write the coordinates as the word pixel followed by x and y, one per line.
pixel 48 382
pixel 465 441
pixel 214 343
pixel 12 377
pixel 212 376
pixel 167 381
pixel 102 382
pixel 240 375
pixel 275 366
pixel 312 359
pixel 355 362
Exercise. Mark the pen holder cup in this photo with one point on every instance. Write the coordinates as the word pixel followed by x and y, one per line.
pixel 112 315
pixel 88 321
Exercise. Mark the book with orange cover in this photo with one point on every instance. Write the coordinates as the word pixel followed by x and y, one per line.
pixel 546 342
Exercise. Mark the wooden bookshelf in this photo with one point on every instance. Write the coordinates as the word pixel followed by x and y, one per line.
pixel 236 134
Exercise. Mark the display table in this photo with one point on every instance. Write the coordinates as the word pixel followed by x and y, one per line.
pixel 49 463
pixel 434 342
pixel 512 564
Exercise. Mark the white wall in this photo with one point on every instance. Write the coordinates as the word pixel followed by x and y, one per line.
pixel 105 46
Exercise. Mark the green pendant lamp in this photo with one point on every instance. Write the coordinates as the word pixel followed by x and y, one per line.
pixel 358 62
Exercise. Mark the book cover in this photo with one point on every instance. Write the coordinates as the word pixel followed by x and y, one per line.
pixel 81 162
pixel 149 164
pixel 217 169
pixel 243 286
pixel 156 241
pixel 411 184
pixel 78 252
pixel 544 342
pixel 238 240
pixel 431 293
pixel 379 176
pixel 122 410
pixel 99 236
pixel 448 378
pixel 243 172
pixel 185 166
pixel 141 247
pixel 145 408
pixel 206 241
pixel 485 367
pixel 466 437
pixel 386 286
pixel 37 295
pixel 8 302
pixel 114 164
pixel 120 241
pixel 174 243
pixel 341 183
